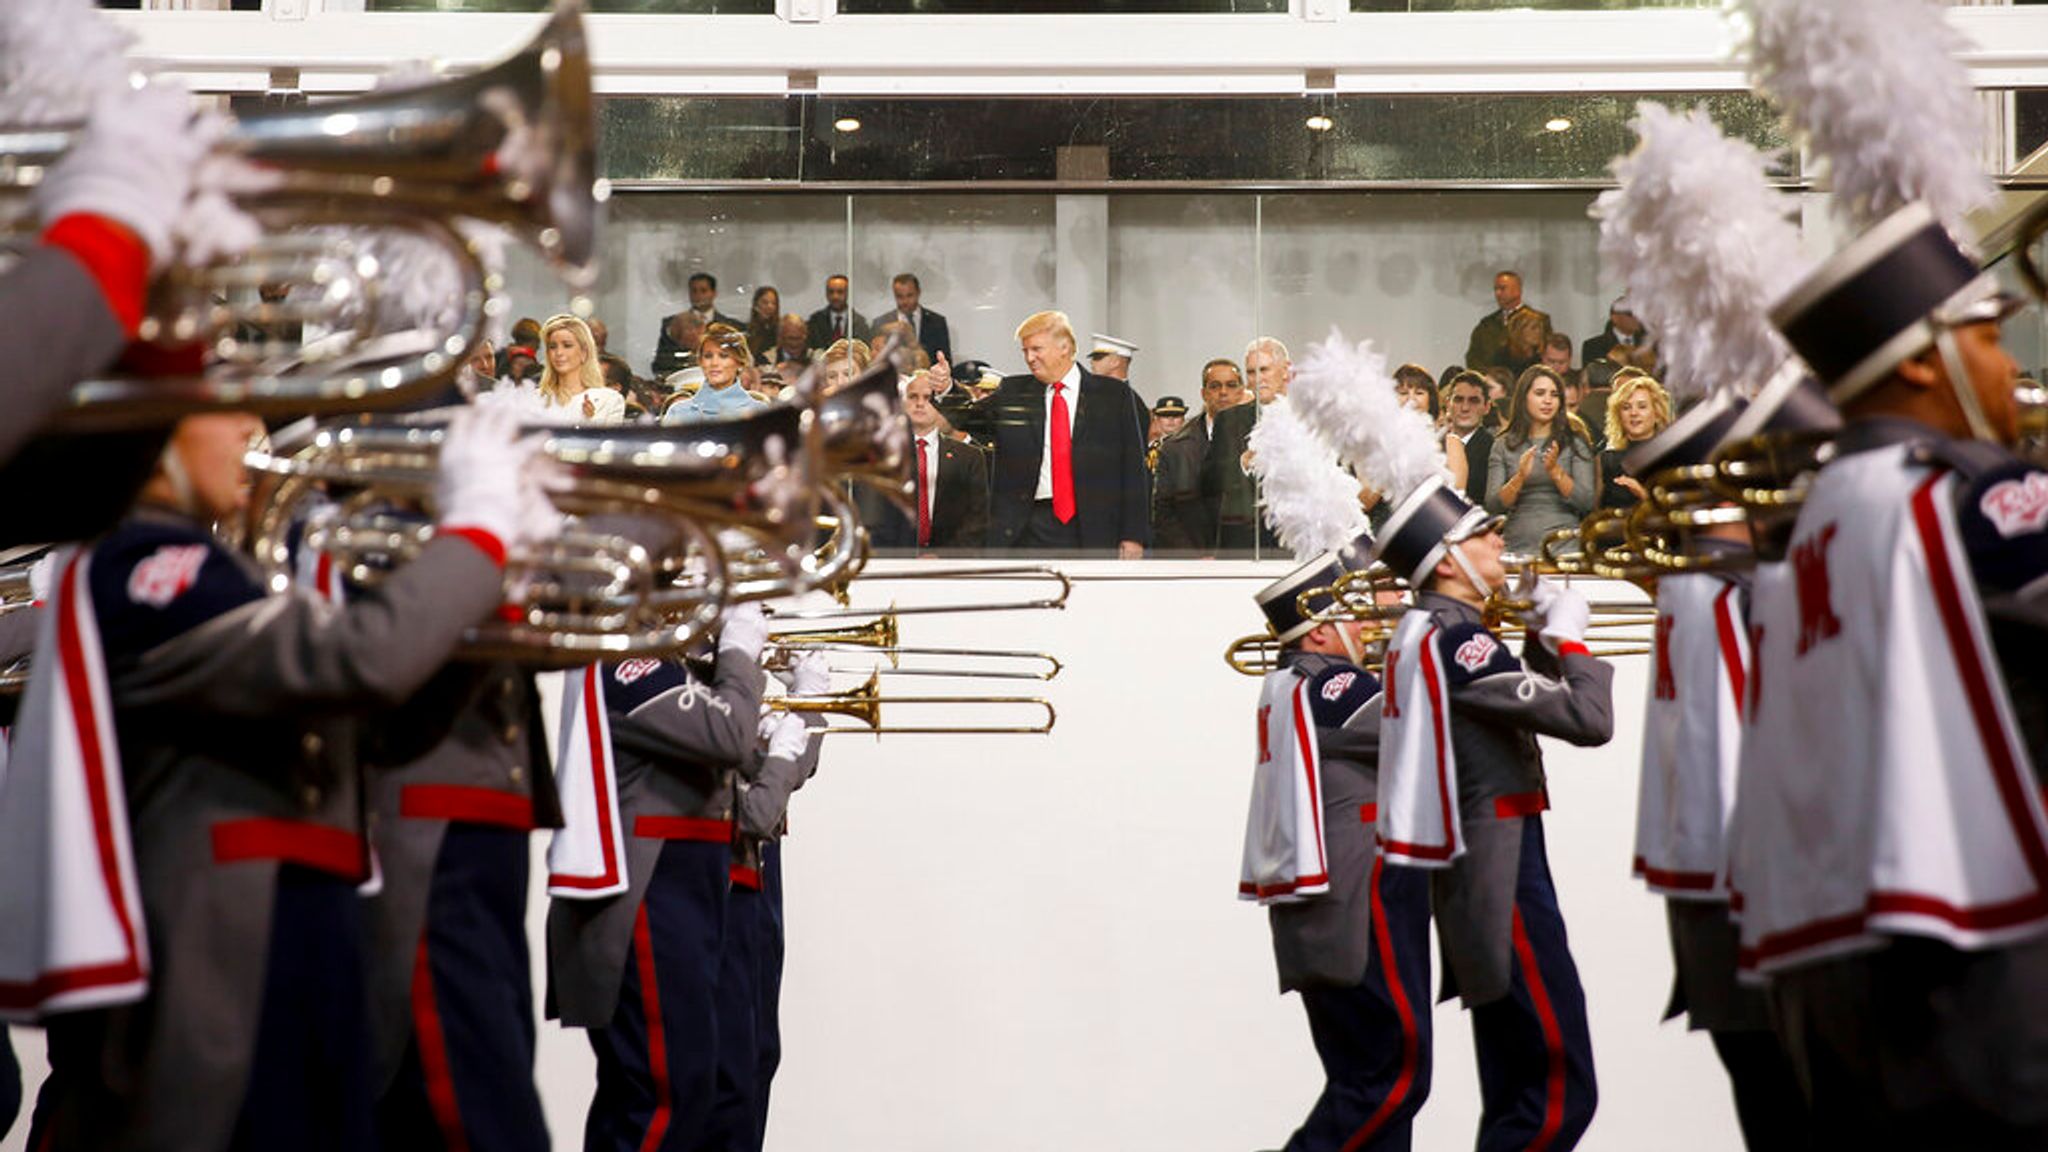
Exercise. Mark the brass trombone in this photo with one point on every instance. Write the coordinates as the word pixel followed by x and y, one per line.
pixel 1505 610
pixel 882 637
pixel 865 704
pixel 513 145
pixel 1682 502
pixel 1056 597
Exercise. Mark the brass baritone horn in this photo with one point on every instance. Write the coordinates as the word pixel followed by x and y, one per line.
pixel 513 145
pixel 638 573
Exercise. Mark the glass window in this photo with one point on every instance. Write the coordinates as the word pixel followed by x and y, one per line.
pixel 670 7
pixel 1052 7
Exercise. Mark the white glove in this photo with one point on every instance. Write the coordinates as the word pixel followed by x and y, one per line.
pixel 1565 622
pixel 745 631
pixel 809 675
pixel 134 164
pixel 486 479
pixel 1542 597
pixel 41 575
pixel 787 735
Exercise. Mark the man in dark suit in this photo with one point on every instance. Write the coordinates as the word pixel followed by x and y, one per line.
pixel 670 352
pixel 1225 478
pixel 1465 400
pixel 951 487
pixel 836 321
pixel 1622 329
pixel 1511 337
pixel 1184 520
pixel 928 326
pixel 1098 502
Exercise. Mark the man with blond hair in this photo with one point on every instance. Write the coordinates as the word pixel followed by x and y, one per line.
pixel 1069 472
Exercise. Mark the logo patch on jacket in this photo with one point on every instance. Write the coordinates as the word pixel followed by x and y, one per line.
pixel 628 671
pixel 2017 507
pixel 1335 687
pixel 1473 654
pixel 165 574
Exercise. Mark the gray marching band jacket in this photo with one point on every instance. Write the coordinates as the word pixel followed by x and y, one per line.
pixel 469 746
pixel 1326 941
pixel 1498 706
pixel 761 804
pixel 676 743
pixel 50 303
pixel 238 715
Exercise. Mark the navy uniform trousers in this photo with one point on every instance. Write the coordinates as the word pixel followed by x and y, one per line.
pixel 309 1080
pixel 1534 1049
pixel 657 1061
pixel 1374 1038
pixel 467 1077
pixel 749 992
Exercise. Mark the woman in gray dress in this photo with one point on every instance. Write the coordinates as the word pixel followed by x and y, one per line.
pixel 1541 472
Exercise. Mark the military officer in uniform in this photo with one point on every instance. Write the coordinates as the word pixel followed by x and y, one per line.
pixel 234 718
pixel 1470 806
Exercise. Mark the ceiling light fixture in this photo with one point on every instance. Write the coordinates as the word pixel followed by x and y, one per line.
pixel 846 124
pixel 1320 123
pixel 1557 124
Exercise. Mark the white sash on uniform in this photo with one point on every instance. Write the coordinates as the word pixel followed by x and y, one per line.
pixel 1885 788
pixel 1693 737
pixel 1419 822
pixel 587 855
pixel 1284 857
pixel 74 934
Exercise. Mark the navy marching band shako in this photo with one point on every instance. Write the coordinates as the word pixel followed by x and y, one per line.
pixel 1427 523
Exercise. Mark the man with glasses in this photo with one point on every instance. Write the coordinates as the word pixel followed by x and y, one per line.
pixel 1183 520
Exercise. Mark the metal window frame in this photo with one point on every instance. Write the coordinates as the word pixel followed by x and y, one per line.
pixel 808 47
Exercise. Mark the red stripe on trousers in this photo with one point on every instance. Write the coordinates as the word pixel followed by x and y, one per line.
pixel 1410 1041
pixel 1553 1040
pixel 657 1038
pixel 440 1080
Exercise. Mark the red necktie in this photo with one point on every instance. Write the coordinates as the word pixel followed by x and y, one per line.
pixel 924 501
pixel 839 327
pixel 1062 445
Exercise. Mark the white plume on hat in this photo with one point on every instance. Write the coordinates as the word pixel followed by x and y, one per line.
pixel 1310 500
pixel 1346 395
pixel 1704 243
pixel 1877 87
pixel 56 58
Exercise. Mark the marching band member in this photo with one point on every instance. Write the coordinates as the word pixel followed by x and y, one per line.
pixel 640 969
pixel 750 966
pixel 1351 937
pixel 1462 793
pixel 462 780
pixel 201 975
pixel 1890 846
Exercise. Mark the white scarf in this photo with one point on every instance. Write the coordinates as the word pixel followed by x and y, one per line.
pixel 75 936
pixel 1419 820
pixel 1284 857
pixel 586 857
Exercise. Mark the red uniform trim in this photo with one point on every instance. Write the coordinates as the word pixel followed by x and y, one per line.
pixel 71 658
pixel 440 1080
pixel 466 804
pixel 113 256
pixel 1553 1040
pixel 335 851
pixel 486 542
pixel 1304 738
pixel 1573 648
pixel 657 1035
pixel 1665 878
pixel 1262 891
pixel 748 878
pixel 1410 1040
pixel 1520 804
pixel 1368 813
pixel 593 726
pixel 1730 632
pixel 701 829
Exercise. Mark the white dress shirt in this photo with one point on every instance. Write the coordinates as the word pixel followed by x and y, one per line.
pixel 1072 392
pixel 916 321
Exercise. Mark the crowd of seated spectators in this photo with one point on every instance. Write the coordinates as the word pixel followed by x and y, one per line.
pixel 1524 429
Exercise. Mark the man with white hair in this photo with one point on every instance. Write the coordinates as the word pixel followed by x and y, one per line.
pixel 1069 471
pixel 1226 470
